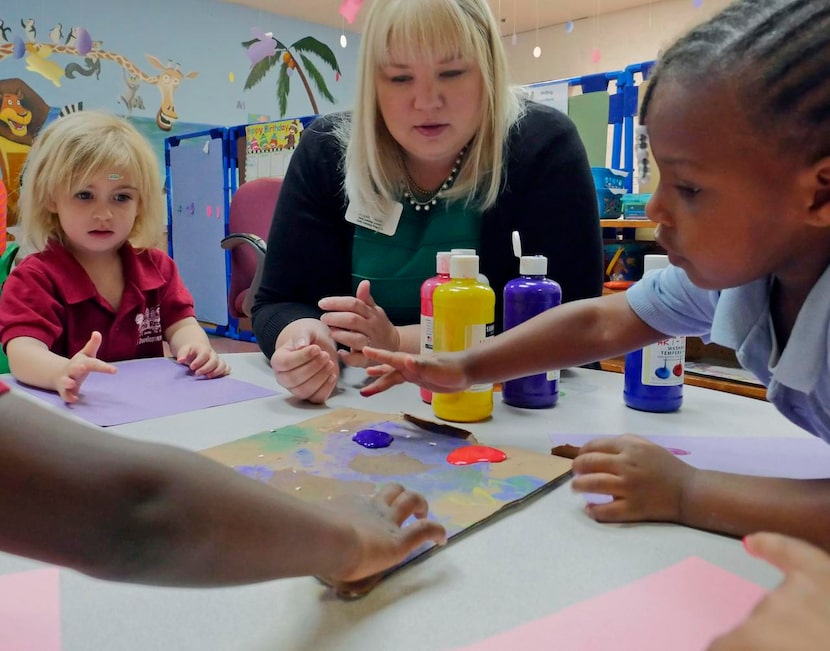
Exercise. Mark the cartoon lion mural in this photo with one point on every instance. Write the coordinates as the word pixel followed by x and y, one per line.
pixel 22 113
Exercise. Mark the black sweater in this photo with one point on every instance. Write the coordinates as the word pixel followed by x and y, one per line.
pixel 548 197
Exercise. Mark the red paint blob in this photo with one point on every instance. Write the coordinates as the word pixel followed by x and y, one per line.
pixel 678 370
pixel 475 454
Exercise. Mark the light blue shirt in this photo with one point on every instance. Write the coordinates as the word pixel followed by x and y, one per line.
pixel 797 378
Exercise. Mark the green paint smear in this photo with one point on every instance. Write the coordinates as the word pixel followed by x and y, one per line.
pixel 287 439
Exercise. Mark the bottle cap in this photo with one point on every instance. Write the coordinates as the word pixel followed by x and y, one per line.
pixel 655 261
pixel 442 262
pixel 533 265
pixel 463 251
pixel 464 266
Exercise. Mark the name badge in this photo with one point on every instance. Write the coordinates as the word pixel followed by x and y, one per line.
pixel 386 222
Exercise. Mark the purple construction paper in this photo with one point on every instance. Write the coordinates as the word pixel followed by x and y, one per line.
pixel 798 458
pixel 149 388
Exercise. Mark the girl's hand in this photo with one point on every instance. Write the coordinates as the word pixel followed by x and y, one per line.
pixel 442 373
pixel 357 321
pixel 85 361
pixel 203 360
pixel 796 615
pixel 380 539
pixel 305 360
pixel 647 481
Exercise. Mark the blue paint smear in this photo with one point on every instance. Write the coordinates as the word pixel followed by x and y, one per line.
pixel 373 438
pixel 260 473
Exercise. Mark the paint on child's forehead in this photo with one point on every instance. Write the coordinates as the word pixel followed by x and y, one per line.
pixel 114 177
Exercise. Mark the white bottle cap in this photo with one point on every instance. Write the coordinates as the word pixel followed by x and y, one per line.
pixel 533 265
pixel 464 266
pixel 655 261
pixel 442 262
pixel 463 251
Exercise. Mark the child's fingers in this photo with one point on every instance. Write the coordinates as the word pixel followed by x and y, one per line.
pixel 598 482
pixel 384 382
pixel 786 553
pixel 91 347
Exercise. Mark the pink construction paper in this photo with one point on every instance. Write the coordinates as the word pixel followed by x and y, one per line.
pixel 681 608
pixel 150 388
pixel 30 611
pixel 766 456
pixel 349 9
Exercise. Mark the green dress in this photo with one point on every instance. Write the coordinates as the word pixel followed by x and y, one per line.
pixel 397 265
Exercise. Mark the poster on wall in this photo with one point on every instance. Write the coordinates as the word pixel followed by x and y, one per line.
pixel 270 145
pixel 549 93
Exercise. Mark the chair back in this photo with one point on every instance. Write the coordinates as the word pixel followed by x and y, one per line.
pixel 251 212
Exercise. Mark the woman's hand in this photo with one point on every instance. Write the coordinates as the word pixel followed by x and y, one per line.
pixel 796 615
pixel 305 360
pixel 77 369
pixel 442 373
pixel 357 321
pixel 203 360
pixel 380 539
pixel 647 481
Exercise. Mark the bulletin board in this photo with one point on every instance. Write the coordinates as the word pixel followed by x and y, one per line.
pixel 197 199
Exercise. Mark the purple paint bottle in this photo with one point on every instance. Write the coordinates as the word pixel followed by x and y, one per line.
pixel 654 374
pixel 525 297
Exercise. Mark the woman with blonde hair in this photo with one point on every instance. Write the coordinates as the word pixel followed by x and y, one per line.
pixel 439 153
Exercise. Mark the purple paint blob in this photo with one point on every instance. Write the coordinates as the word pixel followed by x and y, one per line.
pixel 373 438
pixel 678 452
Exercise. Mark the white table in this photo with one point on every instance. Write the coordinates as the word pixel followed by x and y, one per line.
pixel 533 562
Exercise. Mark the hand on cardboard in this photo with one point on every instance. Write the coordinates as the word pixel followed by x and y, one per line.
pixel 443 373
pixel 85 361
pixel 646 481
pixel 203 360
pixel 796 615
pixel 305 360
pixel 381 541
pixel 357 321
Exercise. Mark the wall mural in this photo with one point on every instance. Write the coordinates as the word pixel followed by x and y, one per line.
pixel 167 77
pixel 265 51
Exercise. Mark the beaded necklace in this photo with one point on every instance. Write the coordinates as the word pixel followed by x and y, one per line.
pixel 432 196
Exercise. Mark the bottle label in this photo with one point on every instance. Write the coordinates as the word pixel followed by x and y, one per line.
pixel 550 376
pixel 427 334
pixel 663 362
pixel 479 333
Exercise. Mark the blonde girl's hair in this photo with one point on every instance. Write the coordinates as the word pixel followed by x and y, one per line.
pixel 431 30
pixel 72 150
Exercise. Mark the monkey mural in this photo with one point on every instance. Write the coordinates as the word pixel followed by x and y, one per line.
pixel 22 114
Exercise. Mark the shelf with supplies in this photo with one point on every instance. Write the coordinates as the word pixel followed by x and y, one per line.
pixel 627 223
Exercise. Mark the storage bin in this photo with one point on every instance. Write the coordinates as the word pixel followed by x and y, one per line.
pixel 634 205
pixel 609 202
pixel 607 178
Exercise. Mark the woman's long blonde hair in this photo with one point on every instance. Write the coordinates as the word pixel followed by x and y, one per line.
pixel 72 150
pixel 428 29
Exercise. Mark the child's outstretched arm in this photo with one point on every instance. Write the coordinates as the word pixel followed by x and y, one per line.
pixel 191 347
pixel 126 510
pixel 649 483
pixel 568 335
pixel 31 362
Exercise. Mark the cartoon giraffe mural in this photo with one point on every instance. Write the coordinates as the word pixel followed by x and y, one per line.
pixel 167 80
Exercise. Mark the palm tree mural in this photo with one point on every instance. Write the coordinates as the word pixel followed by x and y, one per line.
pixel 265 52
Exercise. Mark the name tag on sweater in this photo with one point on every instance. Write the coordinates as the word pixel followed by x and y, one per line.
pixel 386 222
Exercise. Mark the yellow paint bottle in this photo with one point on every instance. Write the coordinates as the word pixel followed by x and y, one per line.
pixel 464 315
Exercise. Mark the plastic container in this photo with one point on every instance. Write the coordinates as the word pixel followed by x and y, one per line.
pixel 464 317
pixel 606 178
pixel 654 374
pixel 525 297
pixel 442 270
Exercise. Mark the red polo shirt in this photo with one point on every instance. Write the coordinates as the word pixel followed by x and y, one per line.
pixel 50 297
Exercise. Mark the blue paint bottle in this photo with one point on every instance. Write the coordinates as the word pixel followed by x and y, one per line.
pixel 654 374
pixel 525 297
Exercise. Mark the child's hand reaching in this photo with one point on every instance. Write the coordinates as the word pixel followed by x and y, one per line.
pixel 647 482
pixel 203 360
pixel 69 381
pixel 443 373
